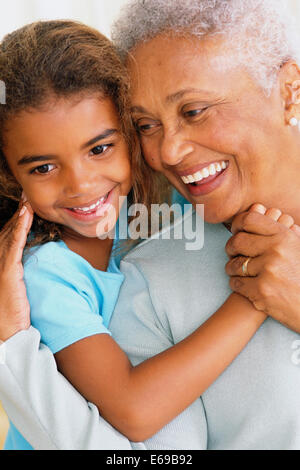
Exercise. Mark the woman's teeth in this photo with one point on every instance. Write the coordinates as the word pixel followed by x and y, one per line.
pixel 92 207
pixel 210 170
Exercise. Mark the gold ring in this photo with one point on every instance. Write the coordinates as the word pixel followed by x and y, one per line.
pixel 245 268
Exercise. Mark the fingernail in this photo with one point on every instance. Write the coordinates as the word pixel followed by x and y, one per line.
pixel 260 208
pixel 24 197
pixel 22 211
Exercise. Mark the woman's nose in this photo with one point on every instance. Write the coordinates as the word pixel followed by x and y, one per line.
pixel 174 148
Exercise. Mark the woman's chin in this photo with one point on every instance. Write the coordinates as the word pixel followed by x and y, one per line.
pixel 218 216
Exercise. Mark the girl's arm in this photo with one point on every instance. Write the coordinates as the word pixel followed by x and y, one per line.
pixel 140 400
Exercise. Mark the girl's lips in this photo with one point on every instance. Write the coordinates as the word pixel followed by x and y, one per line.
pixel 97 212
pixel 208 185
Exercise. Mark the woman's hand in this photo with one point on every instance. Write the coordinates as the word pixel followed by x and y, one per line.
pixel 271 277
pixel 14 306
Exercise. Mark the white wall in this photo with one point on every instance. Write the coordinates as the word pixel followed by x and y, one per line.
pixel 97 13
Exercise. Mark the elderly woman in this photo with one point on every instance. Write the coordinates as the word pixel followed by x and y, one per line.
pixel 215 100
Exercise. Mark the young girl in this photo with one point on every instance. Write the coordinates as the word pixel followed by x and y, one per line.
pixel 67 141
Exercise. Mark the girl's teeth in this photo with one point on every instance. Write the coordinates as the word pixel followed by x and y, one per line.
pixel 211 170
pixel 92 207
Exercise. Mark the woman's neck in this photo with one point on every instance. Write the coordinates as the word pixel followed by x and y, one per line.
pixel 282 191
pixel 287 199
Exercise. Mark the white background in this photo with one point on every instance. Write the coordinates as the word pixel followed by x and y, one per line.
pixel 97 13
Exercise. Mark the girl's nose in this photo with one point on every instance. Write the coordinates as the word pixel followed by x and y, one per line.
pixel 78 182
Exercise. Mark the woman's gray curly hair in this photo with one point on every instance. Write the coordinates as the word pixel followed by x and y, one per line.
pixel 261 33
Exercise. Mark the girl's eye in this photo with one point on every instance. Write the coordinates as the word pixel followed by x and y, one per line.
pixel 43 169
pixel 100 149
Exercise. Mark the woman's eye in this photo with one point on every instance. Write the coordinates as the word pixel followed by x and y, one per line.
pixel 146 128
pixel 100 149
pixel 43 169
pixel 193 113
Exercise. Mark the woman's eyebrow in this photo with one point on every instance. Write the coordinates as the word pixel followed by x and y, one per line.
pixel 170 99
pixel 180 94
pixel 103 135
pixel 138 109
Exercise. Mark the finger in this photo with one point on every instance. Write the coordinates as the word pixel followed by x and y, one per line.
pixel 275 214
pixel 247 244
pixel 6 231
pixel 295 228
pixel 18 236
pixel 258 208
pixel 286 220
pixel 12 221
pixel 253 222
pixel 24 197
pixel 252 266
pixel 10 224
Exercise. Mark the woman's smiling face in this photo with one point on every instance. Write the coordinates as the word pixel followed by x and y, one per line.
pixel 207 125
pixel 71 160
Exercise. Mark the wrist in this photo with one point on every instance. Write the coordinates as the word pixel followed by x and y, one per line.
pixel 7 333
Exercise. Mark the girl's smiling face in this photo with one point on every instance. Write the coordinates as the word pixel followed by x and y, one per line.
pixel 71 160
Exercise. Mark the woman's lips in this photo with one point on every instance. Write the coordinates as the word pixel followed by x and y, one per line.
pixel 208 184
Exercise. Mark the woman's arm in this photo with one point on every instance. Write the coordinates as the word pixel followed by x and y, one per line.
pixel 44 406
pixel 140 400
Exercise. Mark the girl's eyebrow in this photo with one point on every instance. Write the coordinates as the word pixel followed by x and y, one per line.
pixel 104 135
pixel 35 158
pixel 42 158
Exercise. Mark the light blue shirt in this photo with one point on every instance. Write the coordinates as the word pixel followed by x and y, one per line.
pixel 69 300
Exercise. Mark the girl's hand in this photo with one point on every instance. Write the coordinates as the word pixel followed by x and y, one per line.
pixel 14 306
pixel 271 277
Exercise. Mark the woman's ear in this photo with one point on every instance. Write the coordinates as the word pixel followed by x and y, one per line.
pixel 294 90
pixel 290 91
pixel 290 83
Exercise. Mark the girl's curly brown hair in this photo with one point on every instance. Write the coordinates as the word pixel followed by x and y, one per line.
pixel 64 59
